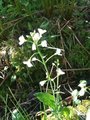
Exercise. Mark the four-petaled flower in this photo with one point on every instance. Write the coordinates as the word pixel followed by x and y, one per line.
pixel 21 40
pixel 44 43
pixel 58 52
pixel 28 63
pixel 36 36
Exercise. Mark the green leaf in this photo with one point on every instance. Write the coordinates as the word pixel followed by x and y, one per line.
pixel 65 112
pixel 47 99
pixel 44 25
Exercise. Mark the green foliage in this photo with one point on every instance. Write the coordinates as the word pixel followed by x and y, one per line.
pixel 67 22
pixel 66 8
pixel 48 7
pixel 47 99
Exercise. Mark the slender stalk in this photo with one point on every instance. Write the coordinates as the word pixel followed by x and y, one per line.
pixel 48 74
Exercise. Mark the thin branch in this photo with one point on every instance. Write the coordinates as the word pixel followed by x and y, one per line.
pixel 77 69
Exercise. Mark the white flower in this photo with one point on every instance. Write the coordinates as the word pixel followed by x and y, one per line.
pixel 14 113
pixel 42 82
pixel 83 83
pixel 28 63
pixel 58 52
pixel 59 72
pixel 44 43
pixel 41 31
pixel 75 94
pixel 33 47
pixel 34 59
pixel 82 91
pixel 86 21
pixel 35 36
pixel 32 33
pixel 21 40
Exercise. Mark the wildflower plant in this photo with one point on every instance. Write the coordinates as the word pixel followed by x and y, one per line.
pixel 51 95
pixel 37 43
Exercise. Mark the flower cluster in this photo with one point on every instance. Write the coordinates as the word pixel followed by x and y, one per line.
pixel 36 39
pixel 77 93
pixel 36 36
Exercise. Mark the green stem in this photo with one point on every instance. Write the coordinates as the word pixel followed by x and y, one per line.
pixel 43 61
pixel 50 57
pixel 48 75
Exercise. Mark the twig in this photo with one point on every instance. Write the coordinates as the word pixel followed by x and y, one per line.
pixel 77 69
pixel 78 40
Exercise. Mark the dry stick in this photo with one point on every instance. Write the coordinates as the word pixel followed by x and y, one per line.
pixel 65 25
pixel 60 29
pixel 81 44
pixel 78 40
pixel 62 42
pixel 77 69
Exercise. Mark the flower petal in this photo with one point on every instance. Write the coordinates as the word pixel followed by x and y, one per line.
pixel 35 36
pixel 82 91
pixel 28 63
pixel 42 82
pixel 33 46
pixel 59 72
pixel 21 40
pixel 34 59
pixel 83 83
pixel 44 43
pixel 41 31
pixel 75 95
